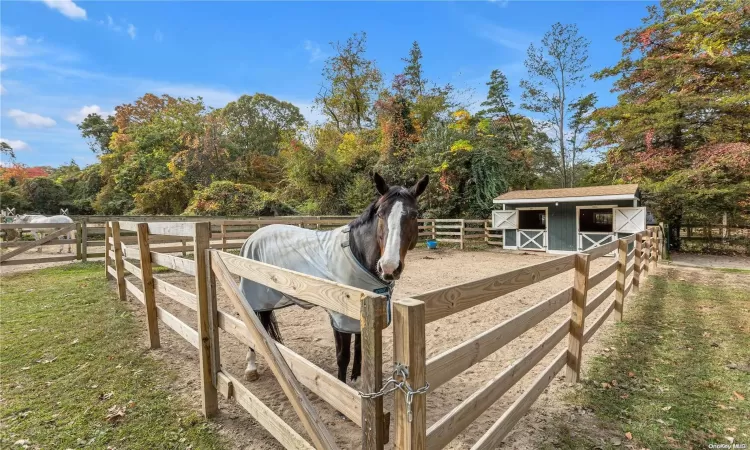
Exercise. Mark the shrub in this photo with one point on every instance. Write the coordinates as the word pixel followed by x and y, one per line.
pixel 225 198
pixel 169 196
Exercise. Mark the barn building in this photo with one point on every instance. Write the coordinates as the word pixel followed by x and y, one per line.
pixel 568 220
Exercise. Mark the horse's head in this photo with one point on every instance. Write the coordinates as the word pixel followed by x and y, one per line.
pixel 398 228
pixel 22 218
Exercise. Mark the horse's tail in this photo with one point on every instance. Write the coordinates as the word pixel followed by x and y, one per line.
pixel 268 320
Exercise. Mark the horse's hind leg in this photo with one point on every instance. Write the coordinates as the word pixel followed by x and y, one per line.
pixel 343 352
pixel 251 371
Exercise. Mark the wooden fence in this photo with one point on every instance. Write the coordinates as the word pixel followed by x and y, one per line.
pixel 460 231
pixel 290 369
pixel 629 268
pixel 635 256
pixel 226 234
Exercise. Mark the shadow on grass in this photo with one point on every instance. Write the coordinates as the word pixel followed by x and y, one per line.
pixel 666 379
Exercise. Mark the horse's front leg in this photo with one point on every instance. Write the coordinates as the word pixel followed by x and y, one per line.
pixel 251 371
pixel 357 366
pixel 343 352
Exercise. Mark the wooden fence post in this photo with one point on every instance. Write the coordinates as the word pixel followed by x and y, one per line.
pixel 622 264
pixel 463 232
pixel 653 248
pixel 409 350
pixel 208 352
pixel 372 324
pixel 107 248
pixel 487 226
pixel 577 317
pixel 85 240
pixel 149 294
pixel 434 230
pixel 637 262
pixel 79 234
pixel 646 253
pixel 224 237
pixel 119 267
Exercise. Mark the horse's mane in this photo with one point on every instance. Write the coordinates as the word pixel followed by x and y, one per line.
pixel 395 192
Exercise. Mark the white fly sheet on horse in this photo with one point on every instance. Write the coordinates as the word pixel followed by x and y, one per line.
pixel 322 254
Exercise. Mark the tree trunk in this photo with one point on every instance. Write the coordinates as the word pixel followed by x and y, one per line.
pixel 674 234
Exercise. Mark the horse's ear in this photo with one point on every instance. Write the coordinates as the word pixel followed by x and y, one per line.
pixel 421 185
pixel 380 184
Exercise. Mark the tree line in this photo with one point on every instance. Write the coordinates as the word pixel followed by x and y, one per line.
pixel 680 128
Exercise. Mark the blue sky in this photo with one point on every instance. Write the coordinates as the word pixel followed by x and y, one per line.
pixel 61 60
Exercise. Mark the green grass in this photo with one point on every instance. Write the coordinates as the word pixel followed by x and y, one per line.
pixel 677 369
pixel 72 354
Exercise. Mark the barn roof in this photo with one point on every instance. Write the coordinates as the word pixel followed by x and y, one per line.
pixel 589 193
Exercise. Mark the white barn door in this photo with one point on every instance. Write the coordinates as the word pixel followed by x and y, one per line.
pixel 629 220
pixel 505 220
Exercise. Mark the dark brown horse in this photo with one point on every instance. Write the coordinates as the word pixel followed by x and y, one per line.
pixel 368 253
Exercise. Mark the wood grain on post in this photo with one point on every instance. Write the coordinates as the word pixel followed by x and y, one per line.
pixel 224 236
pixel 119 267
pixel 107 248
pixel 577 317
pixel 267 348
pixel 637 262
pixel 149 294
pixel 372 321
pixel 622 265
pixel 208 334
pixel 409 349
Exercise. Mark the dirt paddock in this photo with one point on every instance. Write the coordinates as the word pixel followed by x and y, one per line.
pixel 309 334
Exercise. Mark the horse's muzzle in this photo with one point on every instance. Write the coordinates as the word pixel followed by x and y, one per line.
pixel 395 275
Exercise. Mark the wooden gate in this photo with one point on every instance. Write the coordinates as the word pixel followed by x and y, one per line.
pixel 53 238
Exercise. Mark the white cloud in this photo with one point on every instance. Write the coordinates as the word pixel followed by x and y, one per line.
pixel 158 36
pixel 313 48
pixel 16 144
pixel 25 47
pixel 131 31
pixel 30 120
pixel 67 8
pixel 78 116
pixel 503 36
pixel 500 3
pixel 3 67
pixel 2 90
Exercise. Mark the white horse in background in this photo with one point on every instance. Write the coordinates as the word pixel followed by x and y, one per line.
pixel 40 232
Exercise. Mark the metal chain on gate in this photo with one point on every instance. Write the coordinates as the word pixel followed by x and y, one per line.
pixel 399 370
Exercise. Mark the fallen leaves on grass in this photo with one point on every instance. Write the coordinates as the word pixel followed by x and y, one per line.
pixel 629 435
pixel 107 396
pixel 739 396
pixel 666 408
pixel 631 374
pixel 115 414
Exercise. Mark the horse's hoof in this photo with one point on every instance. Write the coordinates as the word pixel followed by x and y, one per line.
pixel 251 375
pixel 356 383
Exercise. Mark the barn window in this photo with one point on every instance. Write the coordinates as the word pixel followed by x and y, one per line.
pixel 534 219
pixel 595 220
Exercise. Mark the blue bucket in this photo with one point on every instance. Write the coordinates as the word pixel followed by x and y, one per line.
pixel 431 244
